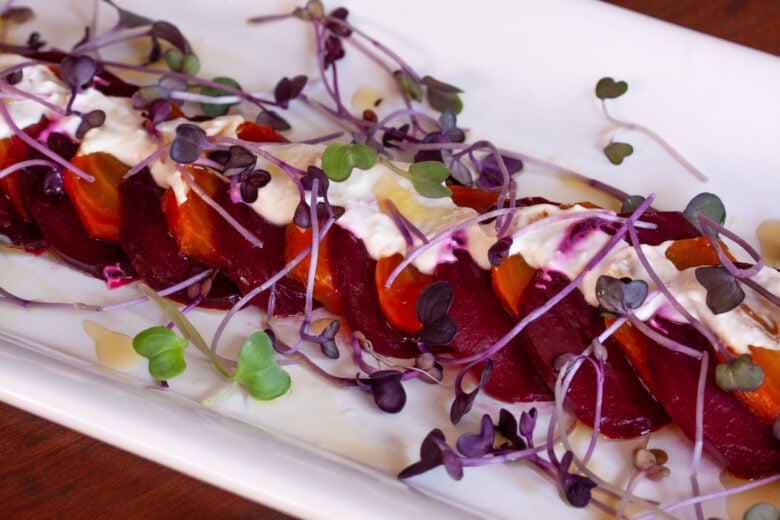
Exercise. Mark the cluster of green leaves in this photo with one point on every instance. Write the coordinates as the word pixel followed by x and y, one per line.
pixel 256 367
pixel 441 96
pixel 427 177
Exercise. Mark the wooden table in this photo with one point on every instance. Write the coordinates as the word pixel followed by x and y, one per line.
pixel 48 471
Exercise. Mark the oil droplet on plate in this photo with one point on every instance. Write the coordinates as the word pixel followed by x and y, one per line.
pixel 738 504
pixel 113 349
pixel 768 235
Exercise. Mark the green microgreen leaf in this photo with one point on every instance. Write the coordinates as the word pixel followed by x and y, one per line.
pixel 608 88
pixel 185 326
pixel 410 87
pixel 216 110
pixel 707 204
pixel 762 511
pixel 631 203
pixel 443 96
pixel 258 370
pixel 739 374
pixel 427 178
pixel 723 290
pixel 164 350
pixel 339 159
pixel 617 151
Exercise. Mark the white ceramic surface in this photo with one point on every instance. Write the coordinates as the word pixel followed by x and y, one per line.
pixel 528 69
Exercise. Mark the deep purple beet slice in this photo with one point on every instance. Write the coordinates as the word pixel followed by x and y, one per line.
pixel 63 231
pixel 14 229
pixel 354 273
pixel 153 251
pixel 670 225
pixel 250 266
pixel 736 438
pixel 628 409
pixel 482 321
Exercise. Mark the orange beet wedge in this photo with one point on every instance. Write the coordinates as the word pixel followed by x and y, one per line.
pixel 97 203
pixel 296 240
pixel 190 222
pixel 510 279
pixel 398 302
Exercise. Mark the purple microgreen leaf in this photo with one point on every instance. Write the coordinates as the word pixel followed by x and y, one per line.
pixel 577 489
pixel 490 175
pixel 159 110
pixel 723 290
pixel 216 110
pixel 239 160
pixel 709 205
pixel 170 33
pixel 288 89
pixel 409 86
pixel 14 77
pixel 617 151
pixel 90 120
pixel 333 50
pixel 434 301
pixel 77 71
pixel 251 183
pixel 430 455
pixel 463 401
pixel 186 147
pixel 388 390
pixel 507 428
pixel 528 424
pixel 129 19
pixel 499 251
pixel 631 203
pixel 608 88
pixel 340 13
pixel 272 119
pixel 448 122
pixel 327 340
pixel 478 444
pixel 34 41
pixel 302 215
pixel 145 95
pixel 616 295
pixel 739 374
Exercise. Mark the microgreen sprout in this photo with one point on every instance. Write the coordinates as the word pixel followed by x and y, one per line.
pixel 338 160
pixel 739 374
pixel 608 88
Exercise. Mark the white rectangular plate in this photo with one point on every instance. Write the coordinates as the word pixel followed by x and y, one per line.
pixel 528 70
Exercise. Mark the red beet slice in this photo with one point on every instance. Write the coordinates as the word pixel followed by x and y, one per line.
pixel 482 320
pixel 735 437
pixel 670 225
pixel 250 266
pixel 153 251
pixel 14 229
pixel 357 290
pixel 56 217
pixel 628 408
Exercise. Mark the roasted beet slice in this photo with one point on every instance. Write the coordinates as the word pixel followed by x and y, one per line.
pixel 736 438
pixel 359 300
pixel 153 251
pixel 670 225
pixel 628 408
pixel 250 266
pixel 482 321
pixel 63 231
pixel 14 229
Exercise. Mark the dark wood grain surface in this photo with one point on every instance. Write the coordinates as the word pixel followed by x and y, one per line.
pixel 47 471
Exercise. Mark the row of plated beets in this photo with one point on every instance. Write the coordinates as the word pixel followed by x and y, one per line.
pixel 153 238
